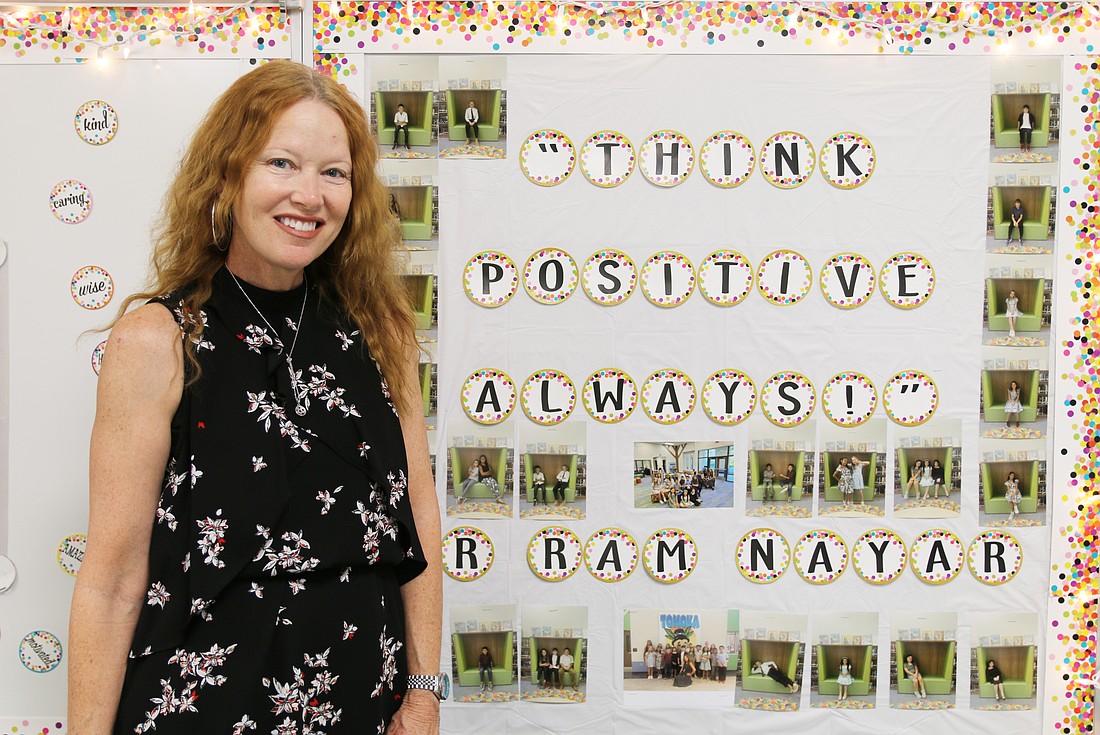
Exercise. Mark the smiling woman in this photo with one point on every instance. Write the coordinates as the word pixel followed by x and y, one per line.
pixel 223 588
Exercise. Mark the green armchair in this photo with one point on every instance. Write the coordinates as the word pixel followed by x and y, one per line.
pixel 995 392
pixel 1006 112
pixel 462 458
pixel 907 457
pixel 1036 204
pixel 421 293
pixel 993 486
pixel 425 373
pixel 467 647
pixel 779 460
pixel 828 665
pixel 418 105
pixel 574 645
pixel 551 466
pixel 415 206
pixel 1029 292
pixel 783 653
pixel 1017 664
pixel 936 661
pixel 488 106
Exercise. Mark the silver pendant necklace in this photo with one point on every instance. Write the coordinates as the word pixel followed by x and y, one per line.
pixel 299 408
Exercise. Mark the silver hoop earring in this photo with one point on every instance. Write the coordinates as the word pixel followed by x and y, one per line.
pixel 213 229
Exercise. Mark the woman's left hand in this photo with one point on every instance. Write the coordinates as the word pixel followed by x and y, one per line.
pixel 419 715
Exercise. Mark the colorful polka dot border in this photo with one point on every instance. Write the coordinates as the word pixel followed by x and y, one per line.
pixel 548 397
pixel 596 549
pixel 668 278
pixel 851 290
pixel 791 407
pixel 92 287
pixel 784 277
pixel 675 544
pixel 497 275
pixel 849 399
pixel 910 398
pixel 488 396
pixel 70 201
pixel 936 556
pixel 1009 557
pixel 542 549
pixel 855 152
pixel 550 276
pixel 725 277
pixel 670 388
pixel 96 122
pixel 727 159
pixel 547 157
pixel 729 397
pixel 654 159
pixel 820 549
pixel 765 544
pixel 605 406
pixel 875 546
pixel 895 284
pixel 787 159
pixel 607 158
pixel 483 552
pixel 625 277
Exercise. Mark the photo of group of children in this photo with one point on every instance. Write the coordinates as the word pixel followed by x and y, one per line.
pixel 683 475
pixel 546 662
pixel 426 106
pixel 758 660
pixel 483 476
pixel 1017 313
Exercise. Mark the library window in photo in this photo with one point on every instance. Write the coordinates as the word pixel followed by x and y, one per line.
pixel 683 474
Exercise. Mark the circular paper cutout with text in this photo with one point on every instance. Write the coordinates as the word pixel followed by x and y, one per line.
pixel 96 122
pixel 609 277
pixel 547 157
pixel 611 555
pixel 40 651
pixel 668 396
pixel 879 556
pixel 668 278
pixel 847 280
pixel 70 553
pixel 488 396
pixel 788 398
pixel 97 356
pixel 70 201
pixel 820 557
pixel 910 398
pixel 849 399
pixel 784 277
pixel 847 160
pixel 548 397
pixel 607 158
pixel 667 158
pixel 554 553
pixel 727 159
pixel 787 160
pixel 907 280
pixel 609 395
pixel 92 287
pixel 763 555
pixel 729 397
pixel 550 276
pixel 937 556
pixel 490 279
pixel 995 557
pixel 670 555
pixel 467 553
pixel 725 277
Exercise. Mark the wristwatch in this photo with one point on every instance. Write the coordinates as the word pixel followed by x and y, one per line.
pixel 437 684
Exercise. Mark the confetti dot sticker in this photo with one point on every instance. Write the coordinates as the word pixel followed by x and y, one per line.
pixel 40 651
pixel 490 278
pixel 70 201
pixel 879 556
pixel 467 553
pixel 70 553
pixel 727 159
pixel 667 158
pixel 995 557
pixel 763 555
pixel 784 277
pixel 787 160
pixel 548 397
pixel 847 160
pixel 609 277
pixel 729 397
pixel 820 557
pixel 611 555
pixel 668 278
pixel 97 356
pixel 670 555
pixel 907 280
pixel 488 396
pixel 607 158
pixel 554 553
pixel 936 556
pixel 609 395
pixel 96 122
pixel 788 398
pixel 725 277
pixel 910 398
pixel 547 157
pixel 849 399
pixel 550 276
pixel 668 396
pixel 92 287
pixel 847 280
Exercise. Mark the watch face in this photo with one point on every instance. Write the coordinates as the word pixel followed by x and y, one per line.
pixel 444 686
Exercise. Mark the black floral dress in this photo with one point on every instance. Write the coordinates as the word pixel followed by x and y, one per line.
pixel 281 540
